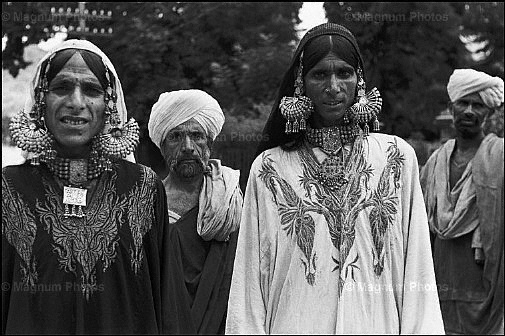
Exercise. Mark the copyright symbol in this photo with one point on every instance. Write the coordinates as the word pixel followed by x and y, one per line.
pixel 6 16
pixel 348 16
pixel 5 285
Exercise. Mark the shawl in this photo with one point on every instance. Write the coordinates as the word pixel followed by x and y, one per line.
pixel 486 170
pixel 83 45
pixel 220 203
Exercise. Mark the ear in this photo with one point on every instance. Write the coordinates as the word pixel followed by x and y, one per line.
pixel 210 143
pixel 450 107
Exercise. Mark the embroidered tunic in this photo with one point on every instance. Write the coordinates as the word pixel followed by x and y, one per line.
pixel 351 260
pixel 98 274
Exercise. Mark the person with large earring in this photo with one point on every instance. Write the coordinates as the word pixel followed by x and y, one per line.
pixel 334 236
pixel 82 225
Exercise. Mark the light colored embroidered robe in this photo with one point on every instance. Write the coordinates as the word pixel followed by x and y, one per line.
pixel 297 271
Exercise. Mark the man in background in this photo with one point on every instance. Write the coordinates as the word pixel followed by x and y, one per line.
pixel 462 183
pixel 205 204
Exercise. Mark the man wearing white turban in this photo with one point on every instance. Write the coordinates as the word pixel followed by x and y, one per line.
pixel 205 203
pixel 463 190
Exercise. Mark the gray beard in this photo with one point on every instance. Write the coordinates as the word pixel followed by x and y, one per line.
pixel 188 170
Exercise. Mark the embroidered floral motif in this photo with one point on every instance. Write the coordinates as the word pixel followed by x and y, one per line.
pixel 384 202
pixel 81 244
pixel 294 216
pixel 84 241
pixel 340 207
pixel 19 228
pixel 140 215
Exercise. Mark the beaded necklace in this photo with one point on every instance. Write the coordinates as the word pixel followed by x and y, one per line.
pixel 330 140
pixel 77 172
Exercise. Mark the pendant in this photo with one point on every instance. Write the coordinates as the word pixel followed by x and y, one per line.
pixel 74 200
pixel 331 140
pixel 331 173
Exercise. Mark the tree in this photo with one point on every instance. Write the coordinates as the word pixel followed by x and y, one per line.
pixel 409 50
pixel 482 23
pixel 224 48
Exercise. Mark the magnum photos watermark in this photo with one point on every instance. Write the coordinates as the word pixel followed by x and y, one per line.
pixel 413 16
pixel 380 287
pixel 55 18
pixel 46 287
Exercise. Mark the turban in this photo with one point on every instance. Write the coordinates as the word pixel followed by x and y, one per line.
pixel 176 107
pixel 467 81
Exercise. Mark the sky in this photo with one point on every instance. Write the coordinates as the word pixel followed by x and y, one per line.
pixel 311 14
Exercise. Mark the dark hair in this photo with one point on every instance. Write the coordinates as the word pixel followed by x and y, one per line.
pixel 92 60
pixel 316 44
pixel 319 47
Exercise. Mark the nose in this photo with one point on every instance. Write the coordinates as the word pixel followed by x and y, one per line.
pixel 334 84
pixel 187 145
pixel 468 113
pixel 77 99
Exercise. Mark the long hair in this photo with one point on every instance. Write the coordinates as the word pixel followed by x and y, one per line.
pixel 316 44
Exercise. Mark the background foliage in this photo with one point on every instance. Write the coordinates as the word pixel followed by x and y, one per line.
pixel 238 51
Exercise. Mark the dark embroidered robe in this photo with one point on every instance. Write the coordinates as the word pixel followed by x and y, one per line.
pixel 99 274
pixel 199 273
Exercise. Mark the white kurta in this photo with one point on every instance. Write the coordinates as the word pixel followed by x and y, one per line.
pixel 297 271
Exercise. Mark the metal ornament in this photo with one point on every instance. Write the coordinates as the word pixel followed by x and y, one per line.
pixel 368 105
pixel 332 172
pixel 297 109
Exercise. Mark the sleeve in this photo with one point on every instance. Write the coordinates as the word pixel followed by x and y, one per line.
pixel 249 291
pixel 153 242
pixel 420 310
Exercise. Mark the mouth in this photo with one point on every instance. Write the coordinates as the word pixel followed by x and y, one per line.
pixel 467 122
pixel 187 160
pixel 334 103
pixel 74 121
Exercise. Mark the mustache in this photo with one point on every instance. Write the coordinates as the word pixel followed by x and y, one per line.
pixel 472 118
pixel 187 157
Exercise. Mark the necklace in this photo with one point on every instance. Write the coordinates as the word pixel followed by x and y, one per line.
pixel 77 173
pixel 330 140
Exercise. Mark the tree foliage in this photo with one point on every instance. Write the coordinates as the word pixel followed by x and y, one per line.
pixel 482 22
pixel 236 51
pixel 410 50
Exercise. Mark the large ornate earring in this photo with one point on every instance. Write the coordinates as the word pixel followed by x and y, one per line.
pixel 29 131
pixel 367 105
pixel 117 140
pixel 297 109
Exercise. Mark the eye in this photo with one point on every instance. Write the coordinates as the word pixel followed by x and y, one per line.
pixel 173 136
pixel 478 106
pixel 319 74
pixel 345 73
pixel 461 105
pixel 92 90
pixel 197 136
pixel 60 88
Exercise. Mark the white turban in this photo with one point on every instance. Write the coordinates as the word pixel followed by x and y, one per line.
pixel 176 107
pixel 466 81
